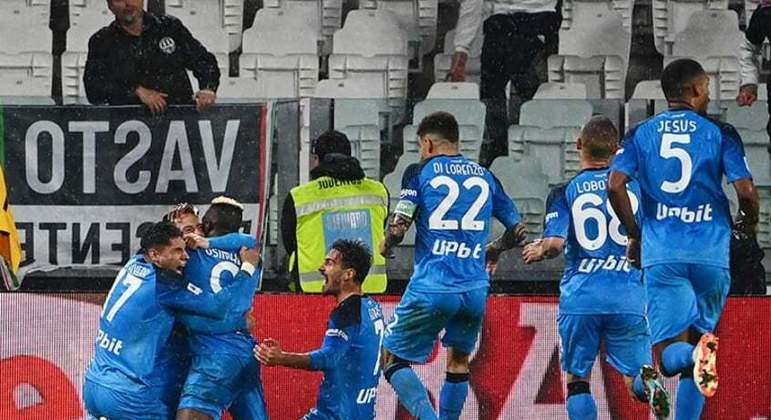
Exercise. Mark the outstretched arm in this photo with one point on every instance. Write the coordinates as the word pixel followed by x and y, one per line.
pixel 543 249
pixel 512 237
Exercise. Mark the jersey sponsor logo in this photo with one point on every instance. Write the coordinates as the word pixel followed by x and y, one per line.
pixel 336 333
pixel 331 183
pixel 552 215
pixel 194 289
pixel 444 247
pixel 139 271
pixel 366 396
pixel 703 213
pixel 167 45
pixel 111 344
pixel 408 192
pixel 612 263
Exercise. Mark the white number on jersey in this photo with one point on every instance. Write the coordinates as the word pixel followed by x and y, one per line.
pixel 132 282
pixel 380 331
pixel 587 207
pixel 686 165
pixel 216 273
pixel 468 222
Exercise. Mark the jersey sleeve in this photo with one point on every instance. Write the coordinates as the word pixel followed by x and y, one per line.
pixel 626 160
pixel 734 160
pixel 504 208
pixel 409 197
pixel 557 220
pixel 342 326
pixel 232 242
pixel 176 293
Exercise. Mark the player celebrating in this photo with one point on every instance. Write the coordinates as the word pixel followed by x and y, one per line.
pixel 133 372
pixel 680 157
pixel 601 295
pixel 350 353
pixel 453 200
pixel 223 373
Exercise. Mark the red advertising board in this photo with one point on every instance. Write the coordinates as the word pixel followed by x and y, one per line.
pixel 47 341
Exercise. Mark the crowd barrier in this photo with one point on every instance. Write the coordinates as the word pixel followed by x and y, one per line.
pixel 47 340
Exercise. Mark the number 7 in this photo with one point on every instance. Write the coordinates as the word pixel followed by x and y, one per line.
pixel 133 284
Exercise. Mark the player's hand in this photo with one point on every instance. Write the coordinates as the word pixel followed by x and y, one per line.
pixel 250 255
pixel 204 99
pixel 457 68
pixel 533 252
pixel 748 94
pixel 520 233
pixel 633 253
pixel 493 254
pixel 196 241
pixel 383 249
pixel 744 225
pixel 268 352
pixel 154 100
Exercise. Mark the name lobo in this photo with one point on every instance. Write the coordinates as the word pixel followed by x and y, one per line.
pixel 459 249
pixel 703 213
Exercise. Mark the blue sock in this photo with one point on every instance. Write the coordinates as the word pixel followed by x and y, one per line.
pixel 676 358
pixel 638 388
pixel 690 402
pixel 580 404
pixel 453 396
pixel 411 392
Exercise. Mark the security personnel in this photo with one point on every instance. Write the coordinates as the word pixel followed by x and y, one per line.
pixel 339 203
pixel 10 249
pixel 141 58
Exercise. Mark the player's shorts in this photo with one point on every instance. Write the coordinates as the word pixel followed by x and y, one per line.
pixel 216 381
pixel 684 295
pixel 626 337
pixel 101 401
pixel 420 317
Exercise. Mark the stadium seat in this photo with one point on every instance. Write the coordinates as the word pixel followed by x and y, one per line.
pixel 578 10
pixel 281 66
pixel 450 90
pixel 26 75
pixel 552 90
pixel 670 17
pixel 26 62
pixel 360 120
pixel 417 18
pixel 551 113
pixel 323 16
pixel 443 61
pixel 594 51
pixel 217 24
pixel 470 114
pixel 712 38
pixel 647 99
pixel 372 47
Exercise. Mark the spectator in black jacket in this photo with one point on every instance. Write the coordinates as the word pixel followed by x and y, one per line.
pixel 141 58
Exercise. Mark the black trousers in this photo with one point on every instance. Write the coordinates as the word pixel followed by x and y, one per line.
pixel 510 47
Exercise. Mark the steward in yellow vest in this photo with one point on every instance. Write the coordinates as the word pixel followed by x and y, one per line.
pixel 10 249
pixel 339 203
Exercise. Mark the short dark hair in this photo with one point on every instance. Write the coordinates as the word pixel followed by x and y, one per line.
pixel 331 141
pixel 599 137
pixel 226 218
pixel 441 124
pixel 355 255
pixel 159 235
pixel 678 76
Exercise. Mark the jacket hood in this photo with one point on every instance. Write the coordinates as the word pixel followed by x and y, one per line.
pixel 338 166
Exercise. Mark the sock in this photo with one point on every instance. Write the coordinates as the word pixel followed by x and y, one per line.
pixel 676 358
pixel 690 402
pixel 411 392
pixel 638 389
pixel 581 405
pixel 453 395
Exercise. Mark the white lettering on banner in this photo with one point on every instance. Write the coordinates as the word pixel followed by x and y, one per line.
pixel 218 171
pixel 703 213
pixel 132 157
pixel 176 140
pixel 89 130
pixel 31 143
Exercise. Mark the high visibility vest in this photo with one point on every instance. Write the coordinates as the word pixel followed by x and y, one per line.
pixel 329 209
pixel 8 226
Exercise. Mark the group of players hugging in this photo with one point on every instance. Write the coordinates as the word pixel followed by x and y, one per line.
pixel 644 228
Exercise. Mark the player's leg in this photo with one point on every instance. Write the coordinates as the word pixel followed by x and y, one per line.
pixel 410 337
pixel 711 285
pixel 212 384
pixel 460 339
pixel 579 345
pixel 103 402
pixel 628 346
pixel 249 404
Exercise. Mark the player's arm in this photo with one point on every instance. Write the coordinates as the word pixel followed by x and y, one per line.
pixel 543 249
pixel 328 356
pixel 738 173
pixel 749 59
pixel 232 242
pixel 406 209
pixel 555 229
pixel 515 235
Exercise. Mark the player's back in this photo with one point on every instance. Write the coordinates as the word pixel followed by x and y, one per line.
pixel 597 278
pixel 456 199
pixel 132 345
pixel 349 390
pixel 680 159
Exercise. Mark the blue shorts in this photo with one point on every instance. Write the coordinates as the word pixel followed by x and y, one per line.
pixel 420 317
pixel 101 401
pixel 627 342
pixel 684 295
pixel 216 381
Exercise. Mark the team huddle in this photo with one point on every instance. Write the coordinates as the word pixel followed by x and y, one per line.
pixel 174 338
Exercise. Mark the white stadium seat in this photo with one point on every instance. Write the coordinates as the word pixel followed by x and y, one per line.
pixel 323 16
pixel 26 62
pixel 450 90
pixel 418 19
pixel 525 182
pixel 443 61
pixel 217 24
pixel 577 10
pixel 360 119
pixel 552 90
pixel 372 47
pixel 670 17
pixel 281 66
pixel 594 51
pixel 26 75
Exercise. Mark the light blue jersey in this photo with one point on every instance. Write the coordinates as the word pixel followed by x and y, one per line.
pixel 350 360
pixel 680 157
pixel 453 200
pixel 597 278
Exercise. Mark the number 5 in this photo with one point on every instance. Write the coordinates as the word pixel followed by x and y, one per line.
pixel 667 152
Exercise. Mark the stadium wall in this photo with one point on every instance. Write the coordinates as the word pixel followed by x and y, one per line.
pixel 47 340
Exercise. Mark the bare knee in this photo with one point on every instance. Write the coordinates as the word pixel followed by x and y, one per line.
pixel 188 414
pixel 457 361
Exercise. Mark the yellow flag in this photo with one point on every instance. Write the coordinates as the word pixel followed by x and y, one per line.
pixel 12 247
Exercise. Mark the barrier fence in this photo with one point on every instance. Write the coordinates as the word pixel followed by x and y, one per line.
pixel 49 338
